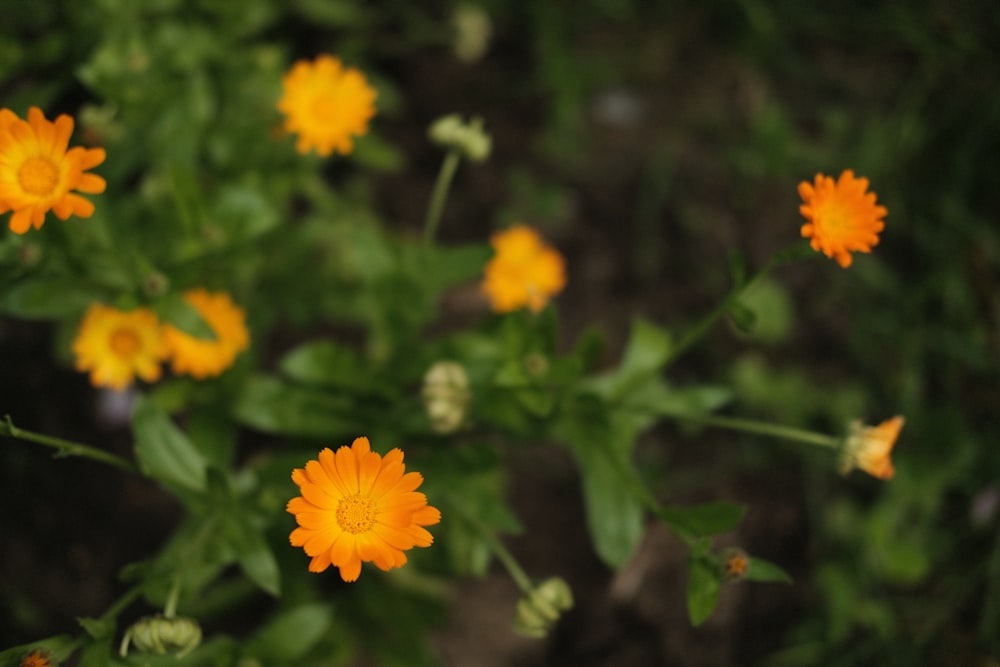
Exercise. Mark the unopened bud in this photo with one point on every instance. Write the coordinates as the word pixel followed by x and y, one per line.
pixel 446 396
pixel 472 32
pixel 735 564
pixel 468 138
pixel 538 611
pixel 157 634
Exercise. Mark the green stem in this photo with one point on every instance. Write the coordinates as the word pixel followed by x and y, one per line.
pixel 765 428
pixel 440 193
pixel 698 330
pixel 170 608
pixel 65 447
pixel 517 573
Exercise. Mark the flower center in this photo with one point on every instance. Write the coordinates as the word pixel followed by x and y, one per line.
pixel 124 342
pixel 38 176
pixel 356 514
pixel 324 108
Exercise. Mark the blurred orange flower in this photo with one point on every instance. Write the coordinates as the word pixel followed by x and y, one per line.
pixel 38 174
pixel 843 217
pixel 357 506
pixel 325 103
pixel 115 346
pixel 868 448
pixel 202 357
pixel 524 271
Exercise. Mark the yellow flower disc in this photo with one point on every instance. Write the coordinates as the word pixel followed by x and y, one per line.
pixel 116 346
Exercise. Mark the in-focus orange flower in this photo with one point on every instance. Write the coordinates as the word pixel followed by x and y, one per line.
pixel 116 346
pixel 38 174
pixel 202 357
pixel 326 103
pixel 357 506
pixel 524 271
pixel 843 216
pixel 868 448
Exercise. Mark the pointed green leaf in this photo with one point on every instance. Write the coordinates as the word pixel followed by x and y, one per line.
pixel 163 451
pixel 291 634
pixel 273 406
pixel 174 309
pixel 252 552
pixel 326 363
pixel 702 589
pixel 762 570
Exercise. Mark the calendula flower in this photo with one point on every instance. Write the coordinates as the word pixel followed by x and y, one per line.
pixel 326 103
pixel 524 271
pixel 36 658
pixel 202 357
pixel 357 506
pixel 843 216
pixel 38 174
pixel 868 448
pixel 735 564
pixel 116 346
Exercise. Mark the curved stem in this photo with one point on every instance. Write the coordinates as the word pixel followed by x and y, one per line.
pixel 517 573
pixel 440 193
pixel 765 428
pixel 65 447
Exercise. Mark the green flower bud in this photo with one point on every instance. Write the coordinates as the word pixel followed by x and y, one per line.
pixel 156 634
pixel 538 611
pixel 446 396
pixel 468 138
pixel 472 32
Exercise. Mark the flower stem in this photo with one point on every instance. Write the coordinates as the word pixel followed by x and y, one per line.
pixel 517 573
pixel 695 333
pixel 170 608
pixel 65 447
pixel 765 428
pixel 440 193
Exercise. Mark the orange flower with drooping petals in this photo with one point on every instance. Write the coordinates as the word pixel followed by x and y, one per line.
pixel 116 346
pixel 202 357
pixel 868 448
pixel 38 174
pixel 326 103
pixel 36 658
pixel 524 271
pixel 843 216
pixel 358 506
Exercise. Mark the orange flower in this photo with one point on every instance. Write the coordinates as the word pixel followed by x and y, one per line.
pixel 523 272
pixel 36 658
pixel 843 217
pixel 735 564
pixel 116 346
pixel 357 506
pixel 868 448
pixel 325 103
pixel 38 174
pixel 201 357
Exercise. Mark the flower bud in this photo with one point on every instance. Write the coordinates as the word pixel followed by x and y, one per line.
pixel 472 32
pixel 467 138
pixel 158 634
pixel 735 564
pixel 446 396
pixel 868 448
pixel 538 611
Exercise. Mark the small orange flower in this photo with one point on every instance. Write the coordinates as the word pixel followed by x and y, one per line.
pixel 36 658
pixel 868 448
pixel 843 216
pixel 200 357
pixel 38 174
pixel 357 506
pixel 735 564
pixel 116 346
pixel 524 271
pixel 325 103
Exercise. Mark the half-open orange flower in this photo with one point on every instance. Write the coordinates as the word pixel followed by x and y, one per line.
pixel 325 103
pixel 843 216
pixel 116 346
pixel 868 448
pixel 38 174
pixel 524 271
pixel 357 506
pixel 202 357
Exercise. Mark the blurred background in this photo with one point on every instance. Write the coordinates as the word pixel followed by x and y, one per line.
pixel 649 141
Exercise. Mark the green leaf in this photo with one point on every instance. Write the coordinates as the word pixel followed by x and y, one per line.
pixel 59 649
pixel 762 570
pixel 290 635
pixel 702 589
pixel 252 552
pixel 43 298
pixel 163 451
pixel 274 406
pixel 175 310
pixel 646 352
pixel 326 363
pixel 703 520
